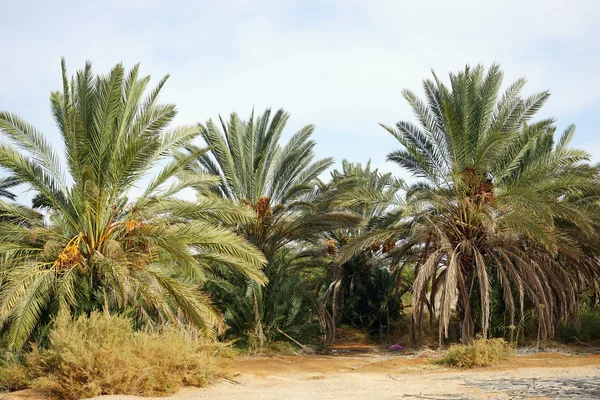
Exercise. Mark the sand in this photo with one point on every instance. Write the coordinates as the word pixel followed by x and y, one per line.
pixel 389 376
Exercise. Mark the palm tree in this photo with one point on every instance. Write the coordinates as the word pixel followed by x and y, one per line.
pixel 497 202
pixel 376 198
pixel 275 181
pixel 117 236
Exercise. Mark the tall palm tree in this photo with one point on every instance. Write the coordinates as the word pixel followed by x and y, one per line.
pixel 497 201
pixel 276 181
pixel 117 235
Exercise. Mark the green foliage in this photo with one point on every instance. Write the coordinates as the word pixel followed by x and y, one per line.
pixel 589 328
pixel 101 249
pixel 285 304
pixel 103 355
pixel 480 353
pixel 252 163
pixel 371 302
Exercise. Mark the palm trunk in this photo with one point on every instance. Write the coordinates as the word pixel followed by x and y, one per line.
pixel 327 324
pixel 258 322
pixel 463 307
pixel 467 328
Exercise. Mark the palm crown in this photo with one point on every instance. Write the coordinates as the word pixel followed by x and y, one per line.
pixel 252 162
pixel 276 181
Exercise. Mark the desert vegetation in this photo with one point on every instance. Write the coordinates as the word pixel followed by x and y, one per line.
pixel 102 354
pixel 479 353
pixel 147 251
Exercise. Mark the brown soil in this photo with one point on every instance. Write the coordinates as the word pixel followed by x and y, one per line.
pixel 395 376
pixel 548 360
pixel 386 363
pixel 278 366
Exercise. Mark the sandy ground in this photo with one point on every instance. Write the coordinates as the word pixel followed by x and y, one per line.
pixel 387 376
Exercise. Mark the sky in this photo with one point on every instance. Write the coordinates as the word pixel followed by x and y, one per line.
pixel 340 65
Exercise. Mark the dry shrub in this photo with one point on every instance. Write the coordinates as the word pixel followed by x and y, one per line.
pixel 13 374
pixel 347 334
pixel 103 355
pixel 480 353
pixel 279 349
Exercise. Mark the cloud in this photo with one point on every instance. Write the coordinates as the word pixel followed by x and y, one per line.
pixel 340 65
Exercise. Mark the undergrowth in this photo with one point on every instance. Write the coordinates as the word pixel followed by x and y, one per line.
pixel 589 331
pixel 102 354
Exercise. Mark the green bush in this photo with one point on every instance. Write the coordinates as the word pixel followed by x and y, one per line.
pixel 589 330
pixel 480 353
pixel 103 355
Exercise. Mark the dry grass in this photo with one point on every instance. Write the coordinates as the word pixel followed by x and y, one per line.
pixel 13 374
pixel 346 334
pixel 280 349
pixel 103 355
pixel 480 353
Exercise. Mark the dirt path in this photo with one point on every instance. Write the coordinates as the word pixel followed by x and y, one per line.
pixel 384 376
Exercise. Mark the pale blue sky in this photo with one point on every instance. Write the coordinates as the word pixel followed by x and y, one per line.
pixel 337 64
